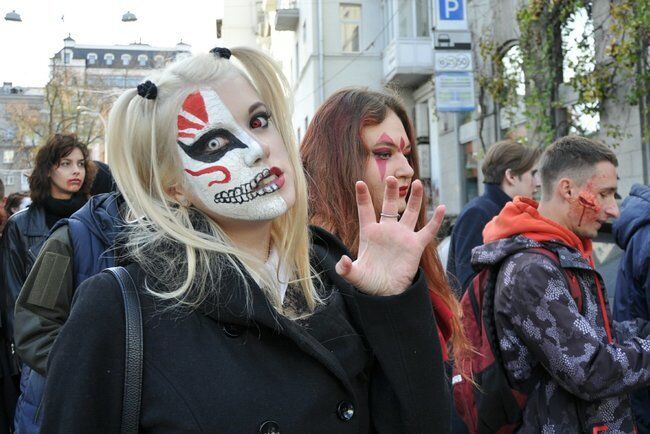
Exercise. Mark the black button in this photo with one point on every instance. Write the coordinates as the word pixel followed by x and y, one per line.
pixel 269 427
pixel 345 410
pixel 232 330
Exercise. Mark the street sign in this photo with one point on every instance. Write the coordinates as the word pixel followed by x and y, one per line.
pixel 454 91
pixel 453 61
pixel 451 15
pixel 450 40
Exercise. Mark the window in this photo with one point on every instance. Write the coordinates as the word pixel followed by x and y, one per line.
pixel 10 179
pixel 579 47
pixel 350 16
pixel 67 57
pixel 159 61
pixel 405 11
pixel 109 58
pixel 91 58
pixel 8 157
pixel 297 54
pixel 413 20
pixel 511 112
pixel 142 59
pixel 126 59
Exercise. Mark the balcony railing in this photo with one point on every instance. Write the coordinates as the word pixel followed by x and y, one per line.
pixel 408 62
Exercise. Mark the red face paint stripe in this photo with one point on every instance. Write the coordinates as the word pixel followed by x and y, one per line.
pixel 207 170
pixel 223 181
pixel 385 138
pixel 188 135
pixel 184 124
pixel 381 166
pixel 195 105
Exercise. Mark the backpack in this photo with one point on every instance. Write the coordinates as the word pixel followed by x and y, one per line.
pixel 490 404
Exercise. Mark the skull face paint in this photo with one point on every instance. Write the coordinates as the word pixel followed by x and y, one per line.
pixel 223 164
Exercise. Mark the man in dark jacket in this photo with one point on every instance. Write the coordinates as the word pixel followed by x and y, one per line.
pixel 632 297
pixel 509 170
pixel 561 355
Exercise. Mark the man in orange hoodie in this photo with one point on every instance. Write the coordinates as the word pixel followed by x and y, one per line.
pixel 564 357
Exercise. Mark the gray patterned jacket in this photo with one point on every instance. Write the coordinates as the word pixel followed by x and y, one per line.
pixel 576 381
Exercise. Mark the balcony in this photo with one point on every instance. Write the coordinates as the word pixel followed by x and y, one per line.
pixel 287 19
pixel 408 62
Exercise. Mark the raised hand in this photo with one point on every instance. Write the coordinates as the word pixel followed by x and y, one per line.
pixel 389 250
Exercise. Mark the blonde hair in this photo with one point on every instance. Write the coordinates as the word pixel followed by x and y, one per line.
pixel 144 159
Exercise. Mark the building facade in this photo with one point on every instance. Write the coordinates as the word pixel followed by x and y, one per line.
pixel 92 76
pixel 17 104
pixel 324 45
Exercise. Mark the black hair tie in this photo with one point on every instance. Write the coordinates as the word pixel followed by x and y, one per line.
pixel 147 90
pixel 222 52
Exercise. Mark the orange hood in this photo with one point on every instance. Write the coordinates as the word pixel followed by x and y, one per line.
pixel 520 217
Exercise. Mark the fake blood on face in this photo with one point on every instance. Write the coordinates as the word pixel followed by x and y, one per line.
pixel 587 200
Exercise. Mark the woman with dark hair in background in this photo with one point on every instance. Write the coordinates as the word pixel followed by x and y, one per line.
pixel 361 134
pixel 59 185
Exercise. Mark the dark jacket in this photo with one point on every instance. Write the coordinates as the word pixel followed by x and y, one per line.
pixel 468 233
pixel 79 247
pixel 360 364
pixel 576 380
pixel 23 237
pixel 632 297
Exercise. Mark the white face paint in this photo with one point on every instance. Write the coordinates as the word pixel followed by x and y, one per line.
pixel 223 164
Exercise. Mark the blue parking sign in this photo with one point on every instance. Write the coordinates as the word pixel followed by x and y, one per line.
pixel 450 15
pixel 451 9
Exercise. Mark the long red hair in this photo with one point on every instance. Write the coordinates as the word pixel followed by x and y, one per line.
pixel 334 156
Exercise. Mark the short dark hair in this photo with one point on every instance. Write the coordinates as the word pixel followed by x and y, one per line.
pixel 48 156
pixel 14 200
pixel 573 154
pixel 508 154
pixel 2 189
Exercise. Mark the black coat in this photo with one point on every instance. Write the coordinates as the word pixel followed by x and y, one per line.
pixel 360 364
pixel 468 233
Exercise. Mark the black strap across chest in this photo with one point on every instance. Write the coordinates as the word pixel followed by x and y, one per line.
pixel 133 351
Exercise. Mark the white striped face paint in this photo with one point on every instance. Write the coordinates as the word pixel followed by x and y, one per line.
pixel 225 166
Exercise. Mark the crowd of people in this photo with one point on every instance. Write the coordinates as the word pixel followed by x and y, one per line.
pixel 260 285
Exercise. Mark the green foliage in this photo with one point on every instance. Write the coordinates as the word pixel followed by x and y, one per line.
pixel 543 58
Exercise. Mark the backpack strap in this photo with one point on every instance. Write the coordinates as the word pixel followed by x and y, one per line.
pixel 134 351
pixel 572 280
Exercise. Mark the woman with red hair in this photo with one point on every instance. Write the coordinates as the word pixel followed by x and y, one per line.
pixel 361 134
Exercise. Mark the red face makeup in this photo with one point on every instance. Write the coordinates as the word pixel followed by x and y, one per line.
pixel 389 150
pixel 595 202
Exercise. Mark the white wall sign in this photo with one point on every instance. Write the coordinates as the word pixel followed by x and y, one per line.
pixel 454 91
pixel 453 61
pixel 451 15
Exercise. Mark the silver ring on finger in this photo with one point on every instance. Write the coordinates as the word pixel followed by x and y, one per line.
pixel 389 216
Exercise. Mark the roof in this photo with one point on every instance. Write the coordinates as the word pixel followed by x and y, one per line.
pixel 134 50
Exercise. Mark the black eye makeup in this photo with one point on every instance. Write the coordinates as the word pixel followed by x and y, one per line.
pixel 212 146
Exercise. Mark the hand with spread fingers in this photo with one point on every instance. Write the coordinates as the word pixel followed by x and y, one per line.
pixel 389 250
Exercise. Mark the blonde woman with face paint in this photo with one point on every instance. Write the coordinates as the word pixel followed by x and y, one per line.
pixel 252 321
